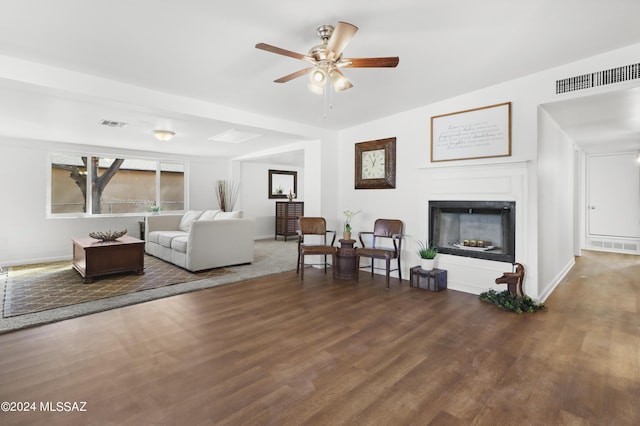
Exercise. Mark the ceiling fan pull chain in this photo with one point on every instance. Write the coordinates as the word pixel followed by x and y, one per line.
pixel 328 100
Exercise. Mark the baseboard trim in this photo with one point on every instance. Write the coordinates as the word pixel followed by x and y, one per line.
pixel 556 281
pixel 34 261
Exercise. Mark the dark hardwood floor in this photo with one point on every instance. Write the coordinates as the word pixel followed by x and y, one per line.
pixel 274 351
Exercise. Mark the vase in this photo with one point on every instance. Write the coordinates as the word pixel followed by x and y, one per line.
pixel 346 235
pixel 427 264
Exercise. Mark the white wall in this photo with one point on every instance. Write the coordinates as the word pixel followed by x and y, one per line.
pixel 556 214
pixel 203 174
pixel 28 236
pixel 412 130
pixel 415 179
pixel 255 194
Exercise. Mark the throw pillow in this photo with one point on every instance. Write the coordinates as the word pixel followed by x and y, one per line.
pixel 209 214
pixel 188 218
pixel 229 215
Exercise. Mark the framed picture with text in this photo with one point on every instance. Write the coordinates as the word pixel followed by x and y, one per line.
pixel 475 133
pixel 375 164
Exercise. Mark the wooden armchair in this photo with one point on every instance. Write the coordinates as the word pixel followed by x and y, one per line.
pixel 315 226
pixel 383 229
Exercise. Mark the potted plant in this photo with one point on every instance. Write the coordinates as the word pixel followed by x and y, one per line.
pixel 155 209
pixel 348 214
pixel 427 255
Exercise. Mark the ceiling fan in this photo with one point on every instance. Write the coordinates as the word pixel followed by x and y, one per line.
pixel 326 58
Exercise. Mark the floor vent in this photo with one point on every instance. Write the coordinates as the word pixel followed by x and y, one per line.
pixel 600 78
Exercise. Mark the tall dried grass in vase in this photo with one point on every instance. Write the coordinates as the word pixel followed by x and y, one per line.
pixel 227 194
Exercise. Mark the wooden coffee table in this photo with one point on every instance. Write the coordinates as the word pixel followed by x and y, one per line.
pixel 92 258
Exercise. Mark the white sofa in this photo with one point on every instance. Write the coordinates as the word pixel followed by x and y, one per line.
pixel 200 240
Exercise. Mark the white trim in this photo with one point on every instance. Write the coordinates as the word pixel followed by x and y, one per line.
pixel 556 280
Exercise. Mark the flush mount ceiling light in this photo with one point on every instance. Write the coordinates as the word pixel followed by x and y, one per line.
pixel 638 158
pixel 327 59
pixel 163 135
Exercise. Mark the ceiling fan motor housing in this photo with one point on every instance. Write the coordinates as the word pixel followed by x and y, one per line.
pixel 319 52
pixel 324 32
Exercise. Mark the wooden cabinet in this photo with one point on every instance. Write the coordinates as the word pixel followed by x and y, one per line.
pixel 287 214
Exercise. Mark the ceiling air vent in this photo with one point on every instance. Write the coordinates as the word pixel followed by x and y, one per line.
pixel 111 123
pixel 600 78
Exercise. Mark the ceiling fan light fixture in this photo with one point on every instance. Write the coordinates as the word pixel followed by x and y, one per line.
pixel 318 76
pixel 318 89
pixel 163 135
pixel 339 81
pixel 317 80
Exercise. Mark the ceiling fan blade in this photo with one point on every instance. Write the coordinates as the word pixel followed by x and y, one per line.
pixel 390 62
pixel 293 75
pixel 341 36
pixel 280 51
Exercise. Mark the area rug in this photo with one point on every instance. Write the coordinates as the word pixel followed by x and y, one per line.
pixel 35 288
pixel 270 257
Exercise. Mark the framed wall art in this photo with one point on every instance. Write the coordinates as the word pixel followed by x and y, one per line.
pixel 375 164
pixel 475 133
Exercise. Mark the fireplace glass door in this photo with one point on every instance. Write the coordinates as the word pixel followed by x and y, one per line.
pixel 479 229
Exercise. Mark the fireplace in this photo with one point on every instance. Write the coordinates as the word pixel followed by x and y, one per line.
pixel 479 229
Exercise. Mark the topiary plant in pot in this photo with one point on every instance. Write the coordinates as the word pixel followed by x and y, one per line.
pixel 427 255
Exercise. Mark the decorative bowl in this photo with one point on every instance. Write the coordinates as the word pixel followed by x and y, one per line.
pixel 108 235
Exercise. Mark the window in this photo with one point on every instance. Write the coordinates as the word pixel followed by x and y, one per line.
pixel 68 184
pixel 98 185
pixel 171 186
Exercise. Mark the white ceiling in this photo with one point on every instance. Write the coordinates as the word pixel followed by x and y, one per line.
pixel 607 122
pixel 204 50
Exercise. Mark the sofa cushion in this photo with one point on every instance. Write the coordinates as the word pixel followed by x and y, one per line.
pixel 154 236
pixel 188 218
pixel 208 214
pixel 180 243
pixel 164 238
pixel 229 215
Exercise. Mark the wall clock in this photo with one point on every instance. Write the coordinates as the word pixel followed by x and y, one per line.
pixel 375 164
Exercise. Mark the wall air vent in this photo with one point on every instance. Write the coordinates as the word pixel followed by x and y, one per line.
pixel 111 123
pixel 600 78
pixel 613 245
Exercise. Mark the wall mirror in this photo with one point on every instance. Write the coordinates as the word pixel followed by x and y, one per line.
pixel 281 182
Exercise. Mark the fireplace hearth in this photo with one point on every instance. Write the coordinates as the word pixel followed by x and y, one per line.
pixel 478 229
